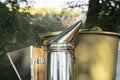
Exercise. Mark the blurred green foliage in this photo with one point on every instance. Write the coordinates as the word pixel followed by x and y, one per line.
pixel 104 13
pixel 11 38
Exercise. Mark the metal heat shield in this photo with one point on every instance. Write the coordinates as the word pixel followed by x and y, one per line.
pixel 20 60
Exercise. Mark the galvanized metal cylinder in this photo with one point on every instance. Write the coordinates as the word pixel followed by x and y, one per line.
pixel 96 55
pixel 60 61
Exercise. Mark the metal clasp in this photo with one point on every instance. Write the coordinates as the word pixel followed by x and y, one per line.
pixel 39 60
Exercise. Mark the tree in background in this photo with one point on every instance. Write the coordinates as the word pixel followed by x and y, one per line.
pixel 81 4
pixel 109 15
pixel 93 13
pixel 102 13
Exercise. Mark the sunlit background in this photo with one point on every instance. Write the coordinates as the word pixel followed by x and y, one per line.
pixel 57 4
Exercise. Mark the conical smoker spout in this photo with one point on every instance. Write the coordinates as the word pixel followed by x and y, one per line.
pixel 68 34
pixel 60 54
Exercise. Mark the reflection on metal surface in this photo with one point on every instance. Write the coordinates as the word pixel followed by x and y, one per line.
pixel 96 55
pixel 60 61
pixel 67 35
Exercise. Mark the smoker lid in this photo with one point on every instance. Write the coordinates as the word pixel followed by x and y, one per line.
pixel 52 34
pixel 97 30
pixel 101 32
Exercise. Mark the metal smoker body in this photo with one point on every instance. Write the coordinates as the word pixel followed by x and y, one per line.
pixel 60 61
pixel 60 54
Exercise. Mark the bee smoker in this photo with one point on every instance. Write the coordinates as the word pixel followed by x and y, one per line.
pixel 59 61
pixel 60 54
